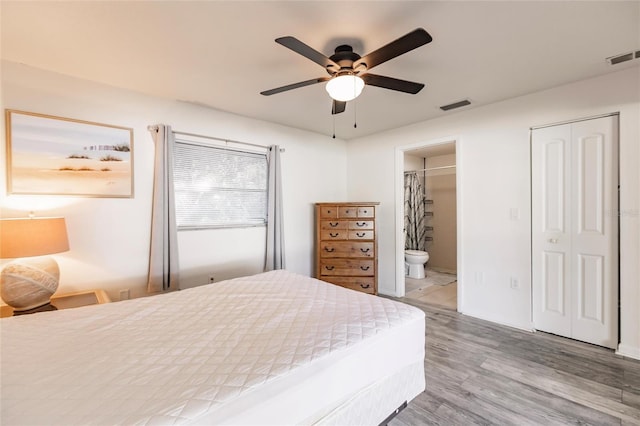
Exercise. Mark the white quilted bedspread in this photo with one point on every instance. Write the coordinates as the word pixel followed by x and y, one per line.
pixel 173 358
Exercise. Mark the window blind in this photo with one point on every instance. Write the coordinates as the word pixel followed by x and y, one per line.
pixel 219 187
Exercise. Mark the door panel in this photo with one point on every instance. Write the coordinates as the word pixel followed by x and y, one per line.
pixel 554 284
pixel 554 184
pixel 591 181
pixel 575 230
pixel 590 289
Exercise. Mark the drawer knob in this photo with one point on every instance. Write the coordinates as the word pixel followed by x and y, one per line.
pixel 333 225
pixel 333 235
pixel 329 267
pixel 361 224
pixel 365 250
pixel 365 285
pixel 329 249
pixel 360 234
pixel 364 268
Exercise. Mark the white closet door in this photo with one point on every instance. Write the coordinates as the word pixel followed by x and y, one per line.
pixel 551 229
pixel 595 231
pixel 575 230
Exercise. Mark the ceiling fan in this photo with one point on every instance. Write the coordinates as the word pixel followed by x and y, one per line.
pixel 349 72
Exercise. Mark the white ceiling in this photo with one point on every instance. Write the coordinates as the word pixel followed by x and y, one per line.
pixel 222 54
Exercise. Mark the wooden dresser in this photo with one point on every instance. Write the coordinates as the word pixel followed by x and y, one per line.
pixel 347 245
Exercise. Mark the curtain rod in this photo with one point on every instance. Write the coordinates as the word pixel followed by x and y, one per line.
pixel 175 132
pixel 432 168
pixel 220 139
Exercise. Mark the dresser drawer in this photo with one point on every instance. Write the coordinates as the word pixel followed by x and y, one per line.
pixel 363 284
pixel 346 249
pixel 329 212
pixel 334 234
pixel 333 224
pixel 361 235
pixel 348 212
pixel 361 224
pixel 346 267
pixel 368 211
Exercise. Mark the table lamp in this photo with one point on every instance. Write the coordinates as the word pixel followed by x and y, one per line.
pixel 30 281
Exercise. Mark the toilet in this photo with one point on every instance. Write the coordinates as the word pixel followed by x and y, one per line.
pixel 414 261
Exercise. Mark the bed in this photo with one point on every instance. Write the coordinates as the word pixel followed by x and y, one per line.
pixel 270 349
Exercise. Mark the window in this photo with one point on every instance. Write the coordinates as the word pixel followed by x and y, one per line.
pixel 219 187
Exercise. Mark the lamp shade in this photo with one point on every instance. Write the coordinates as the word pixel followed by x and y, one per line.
pixel 32 237
pixel 345 87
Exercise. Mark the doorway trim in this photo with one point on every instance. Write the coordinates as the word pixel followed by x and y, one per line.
pixel 399 213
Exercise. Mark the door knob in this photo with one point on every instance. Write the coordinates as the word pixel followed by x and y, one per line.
pixel 553 240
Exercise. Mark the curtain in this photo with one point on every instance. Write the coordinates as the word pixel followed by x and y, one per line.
pixel 274 258
pixel 414 213
pixel 163 258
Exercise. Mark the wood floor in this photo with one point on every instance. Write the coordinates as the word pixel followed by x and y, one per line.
pixel 478 372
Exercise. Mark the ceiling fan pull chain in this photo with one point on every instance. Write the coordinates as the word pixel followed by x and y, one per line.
pixel 355 113
pixel 334 126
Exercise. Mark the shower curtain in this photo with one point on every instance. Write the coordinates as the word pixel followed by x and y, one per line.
pixel 414 213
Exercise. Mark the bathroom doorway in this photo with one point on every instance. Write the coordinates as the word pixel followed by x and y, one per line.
pixel 427 207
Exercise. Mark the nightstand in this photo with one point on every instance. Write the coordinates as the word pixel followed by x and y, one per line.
pixel 63 301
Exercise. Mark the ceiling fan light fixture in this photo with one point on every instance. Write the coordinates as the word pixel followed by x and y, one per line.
pixel 345 87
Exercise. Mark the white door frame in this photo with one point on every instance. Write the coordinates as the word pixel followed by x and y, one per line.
pixel 399 212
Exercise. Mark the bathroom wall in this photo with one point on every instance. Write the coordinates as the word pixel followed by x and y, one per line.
pixel 440 186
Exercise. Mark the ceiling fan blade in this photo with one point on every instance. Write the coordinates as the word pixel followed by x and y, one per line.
pixel 294 86
pixel 338 107
pixel 404 44
pixel 308 52
pixel 392 83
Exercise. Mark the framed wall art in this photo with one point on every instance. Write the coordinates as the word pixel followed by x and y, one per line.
pixel 48 155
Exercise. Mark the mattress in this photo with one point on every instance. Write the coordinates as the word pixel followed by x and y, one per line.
pixel 273 348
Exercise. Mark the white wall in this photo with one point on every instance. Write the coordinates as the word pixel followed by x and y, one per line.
pixel 493 177
pixel 109 238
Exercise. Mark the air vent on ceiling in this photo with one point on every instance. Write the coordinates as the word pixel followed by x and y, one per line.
pixel 455 105
pixel 624 57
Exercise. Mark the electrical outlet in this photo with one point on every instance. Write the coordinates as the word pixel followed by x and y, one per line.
pixel 212 278
pixel 124 294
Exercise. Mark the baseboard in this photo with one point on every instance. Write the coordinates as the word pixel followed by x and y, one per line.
pixel 628 351
pixel 524 327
